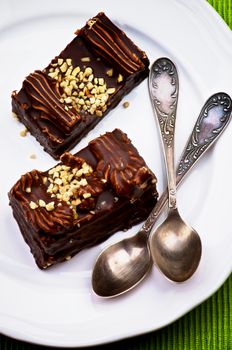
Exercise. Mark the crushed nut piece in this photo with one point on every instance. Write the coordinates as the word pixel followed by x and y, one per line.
pixel 45 179
pixel 110 72
pixel 110 91
pixel 75 71
pixel 60 61
pixel 126 104
pixel 42 204
pixel 85 59
pixel 88 71
pixel 76 202
pixel 53 74
pixel 33 156
pixel 64 67
pixel 99 113
pixel 28 190
pixel 23 132
pixel 69 61
pixel 33 205
pixel 120 78
pixel 101 81
pixel 87 195
pixel 50 206
pixel 91 22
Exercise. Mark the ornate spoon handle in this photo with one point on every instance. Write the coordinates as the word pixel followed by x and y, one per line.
pixel 164 87
pixel 212 121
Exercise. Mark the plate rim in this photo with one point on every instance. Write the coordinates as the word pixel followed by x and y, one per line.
pixel 206 10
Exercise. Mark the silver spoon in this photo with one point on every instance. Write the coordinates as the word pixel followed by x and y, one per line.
pixel 123 265
pixel 175 246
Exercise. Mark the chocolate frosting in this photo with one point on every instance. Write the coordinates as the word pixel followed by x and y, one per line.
pixel 41 219
pixel 57 126
pixel 45 96
pixel 118 172
pixel 112 44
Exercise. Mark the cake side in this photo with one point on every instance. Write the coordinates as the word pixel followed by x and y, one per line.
pixel 62 103
pixel 83 200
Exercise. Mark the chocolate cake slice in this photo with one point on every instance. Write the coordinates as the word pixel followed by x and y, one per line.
pixel 84 199
pixel 60 104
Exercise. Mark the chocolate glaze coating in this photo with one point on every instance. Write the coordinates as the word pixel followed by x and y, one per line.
pixel 123 192
pixel 38 105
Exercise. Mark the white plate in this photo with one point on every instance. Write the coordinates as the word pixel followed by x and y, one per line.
pixel 57 307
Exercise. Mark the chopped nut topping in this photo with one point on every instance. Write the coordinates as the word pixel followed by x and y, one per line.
pixel 53 74
pixel 126 104
pixel 50 206
pixel 69 61
pixel 81 89
pixel 33 205
pixel 42 203
pixel 64 67
pixel 99 113
pixel 110 91
pixel 76 202
pixel 45 179
pixel 24 132
pixel 85 59
pixel 120 78
pixel 28 190
pixel 101 81
pixel 65 182
pixel 110 72
pixel 60 61
pixel 75 71
pixel 88 71
pixel 91 22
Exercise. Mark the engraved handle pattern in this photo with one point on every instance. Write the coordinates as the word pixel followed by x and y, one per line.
pixel 155 213
pixel 212 120
pixel 218 108
pixel 164 87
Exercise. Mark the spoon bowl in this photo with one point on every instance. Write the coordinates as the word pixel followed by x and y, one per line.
pixel 177 248
pixel 118 269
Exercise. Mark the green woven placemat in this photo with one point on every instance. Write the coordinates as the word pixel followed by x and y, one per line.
pixel 224 8
pixel 207 327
